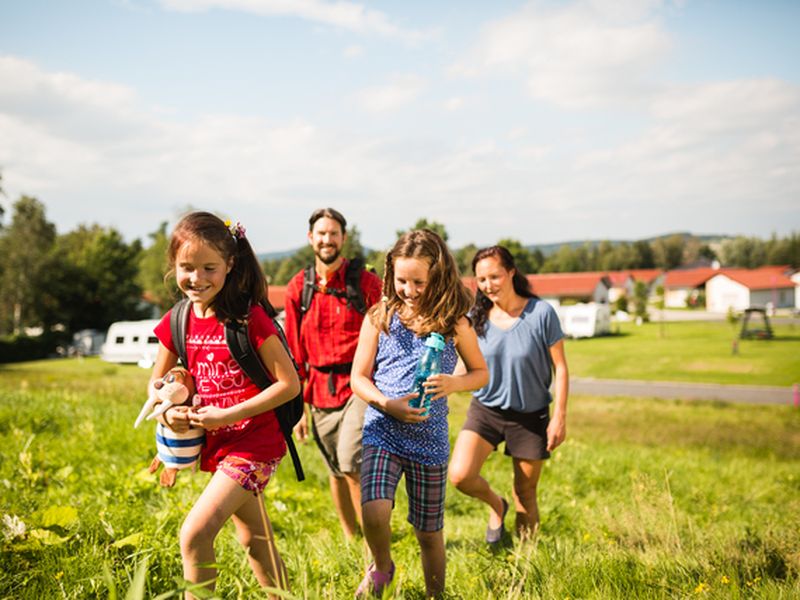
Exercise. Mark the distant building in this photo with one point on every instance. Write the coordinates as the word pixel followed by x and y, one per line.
pixel 683 286
pixel 570 288
pixel 738 289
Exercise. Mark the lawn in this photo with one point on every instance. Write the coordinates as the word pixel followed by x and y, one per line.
pixel 647 499
pixel 688 351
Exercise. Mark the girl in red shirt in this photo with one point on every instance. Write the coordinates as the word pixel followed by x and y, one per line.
pixel 216 268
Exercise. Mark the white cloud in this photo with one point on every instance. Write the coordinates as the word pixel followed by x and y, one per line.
pixel 584 54
pixel 341 14
pixel 402 90
pixel 719 157
pixel 353 51
pixel 453 104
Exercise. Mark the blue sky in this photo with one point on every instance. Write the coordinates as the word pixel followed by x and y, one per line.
pixel 542 121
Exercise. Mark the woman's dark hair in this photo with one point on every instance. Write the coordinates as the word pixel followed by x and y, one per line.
pixel 522 287
pixel 245 284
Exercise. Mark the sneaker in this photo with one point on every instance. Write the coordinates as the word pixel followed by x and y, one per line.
pixel 374 582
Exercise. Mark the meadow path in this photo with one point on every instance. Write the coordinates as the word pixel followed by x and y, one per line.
pixel 748 394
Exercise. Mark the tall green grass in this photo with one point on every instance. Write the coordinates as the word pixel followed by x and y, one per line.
pixel 647 499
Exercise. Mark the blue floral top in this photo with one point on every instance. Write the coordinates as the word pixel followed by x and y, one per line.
pixel 398 354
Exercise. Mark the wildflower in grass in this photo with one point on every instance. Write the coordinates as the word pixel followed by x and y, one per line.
pixel 702 588
pixel 13 527
pixel 587 536
pixel 724 580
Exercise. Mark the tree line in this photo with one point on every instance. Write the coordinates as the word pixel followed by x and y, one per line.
pixel 91 276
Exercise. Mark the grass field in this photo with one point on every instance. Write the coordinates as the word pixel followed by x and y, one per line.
pixel 646 499
pixel 688 351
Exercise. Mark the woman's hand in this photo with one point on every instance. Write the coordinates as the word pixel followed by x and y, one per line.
pixel 209 417
pixel 400 410
pixel 440 385
pixel 556 432
pixel 177 418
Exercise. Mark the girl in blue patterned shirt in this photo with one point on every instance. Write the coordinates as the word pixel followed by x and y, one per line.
pixel 422 294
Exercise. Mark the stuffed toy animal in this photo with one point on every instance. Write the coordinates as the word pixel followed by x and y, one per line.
pixel 176 451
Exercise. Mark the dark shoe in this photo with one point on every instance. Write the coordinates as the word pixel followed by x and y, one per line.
pixel 493 536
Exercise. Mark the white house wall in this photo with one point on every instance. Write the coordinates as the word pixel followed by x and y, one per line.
pixel 676 298
pixel 723 293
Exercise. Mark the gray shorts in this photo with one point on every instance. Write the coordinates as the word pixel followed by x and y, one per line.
pixel 525 434
pixel 337 432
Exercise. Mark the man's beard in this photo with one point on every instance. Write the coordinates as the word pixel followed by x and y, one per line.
pixel 327 260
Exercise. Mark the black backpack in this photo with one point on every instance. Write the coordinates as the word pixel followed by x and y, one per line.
pixel 352 291
pixel 245 355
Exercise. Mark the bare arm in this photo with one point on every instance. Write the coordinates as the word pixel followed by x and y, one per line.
pixel 471 374
pixel 557 429
pixel 363 386
pixel 286 387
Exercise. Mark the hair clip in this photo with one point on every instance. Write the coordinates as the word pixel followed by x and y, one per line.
pixel 237 230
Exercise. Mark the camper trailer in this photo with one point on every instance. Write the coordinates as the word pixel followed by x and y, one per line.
pixel 585 320
pixel 131 342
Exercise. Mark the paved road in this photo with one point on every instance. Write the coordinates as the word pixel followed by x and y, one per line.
pixel 751 394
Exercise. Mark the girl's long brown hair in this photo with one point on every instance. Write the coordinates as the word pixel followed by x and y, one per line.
pixel 245 284
pixel 445 299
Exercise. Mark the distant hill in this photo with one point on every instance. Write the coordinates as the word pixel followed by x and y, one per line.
pixel 548 249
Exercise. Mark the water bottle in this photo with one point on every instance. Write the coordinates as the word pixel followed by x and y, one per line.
pixel 429 364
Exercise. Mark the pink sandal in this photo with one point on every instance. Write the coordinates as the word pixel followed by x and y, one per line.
pixel 374 582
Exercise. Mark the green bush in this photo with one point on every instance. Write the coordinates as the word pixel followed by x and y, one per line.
pixel 21 348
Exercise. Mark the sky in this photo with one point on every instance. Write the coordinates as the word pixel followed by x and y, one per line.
pixel 541 121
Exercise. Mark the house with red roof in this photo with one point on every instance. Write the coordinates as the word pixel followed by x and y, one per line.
pixel 277 296
pixel 567 288
pixel 738 289
pixel 683 286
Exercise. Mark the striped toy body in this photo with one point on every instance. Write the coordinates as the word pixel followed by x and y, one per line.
pixel 176 451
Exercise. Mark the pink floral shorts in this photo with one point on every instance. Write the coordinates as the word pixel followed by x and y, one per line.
pixel 252 475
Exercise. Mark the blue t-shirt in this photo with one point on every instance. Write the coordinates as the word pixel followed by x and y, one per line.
pixel 395 362
pixel 520 367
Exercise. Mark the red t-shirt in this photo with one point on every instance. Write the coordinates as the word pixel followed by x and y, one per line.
pixel 328 334
pixel 221 382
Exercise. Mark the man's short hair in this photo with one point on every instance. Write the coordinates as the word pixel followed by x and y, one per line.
pixel 331 213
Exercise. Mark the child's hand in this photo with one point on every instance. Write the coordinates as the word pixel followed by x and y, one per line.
pixel 400 410
pixel 177 418
pixel 208 417
pixel 440 385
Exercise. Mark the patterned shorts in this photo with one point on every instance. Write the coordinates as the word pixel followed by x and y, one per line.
pixel 425 486
pixel 252 475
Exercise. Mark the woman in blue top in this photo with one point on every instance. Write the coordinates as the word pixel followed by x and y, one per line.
pixel 422 295
pixel 521 340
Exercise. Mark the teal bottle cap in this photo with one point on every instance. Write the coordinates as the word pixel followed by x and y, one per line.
pixel 435 340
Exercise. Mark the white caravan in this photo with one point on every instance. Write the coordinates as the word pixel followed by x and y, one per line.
pixel 131 342
pixel 585 320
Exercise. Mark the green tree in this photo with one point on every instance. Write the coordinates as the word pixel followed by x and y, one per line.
pixel 668 251
pixel 24 246
pixel 640 300
pixel 644 255
pixel 423 223
pixel 153 266
pixel 741 251
pixel 523 258
pixel 464 258
pixel 94 279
